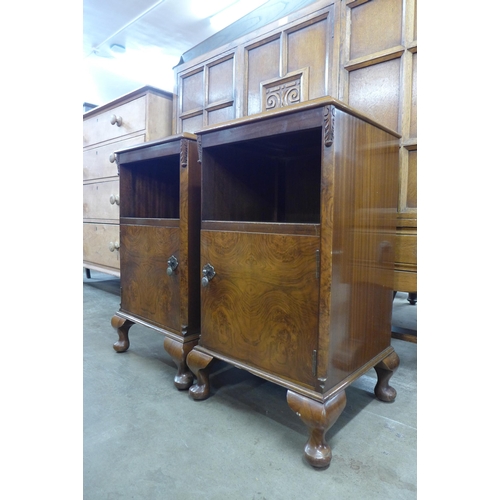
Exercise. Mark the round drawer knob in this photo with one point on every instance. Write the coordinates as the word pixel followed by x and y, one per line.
pixel 113 246
pixel 173 263
pixel 208 273
pixel 114 198
pixel 112 157
pixel 116 120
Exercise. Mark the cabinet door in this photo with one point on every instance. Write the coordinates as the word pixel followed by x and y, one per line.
pixel 261 307
pixel 147 290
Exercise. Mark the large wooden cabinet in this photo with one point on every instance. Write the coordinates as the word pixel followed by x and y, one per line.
pixel 362 52
pixel 160 245
pixel 298 227
pixel 140 116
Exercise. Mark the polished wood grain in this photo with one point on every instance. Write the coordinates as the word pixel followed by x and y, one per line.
pixel 358 299
pixel 147 290
pixel 362 52
pixel 160 186
pixel 307 305
pixel 262 305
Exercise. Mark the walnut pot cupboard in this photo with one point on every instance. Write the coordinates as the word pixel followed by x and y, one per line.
pixel 140 116
pixel 160 241
pixel 362 52
pixel 298 226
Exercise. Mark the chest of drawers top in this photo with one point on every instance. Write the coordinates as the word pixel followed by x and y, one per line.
pixel 145 110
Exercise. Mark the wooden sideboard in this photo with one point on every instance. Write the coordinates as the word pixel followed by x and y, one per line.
pixel 140 116
pixel 298 228
pixel 160 245
pixel 362 52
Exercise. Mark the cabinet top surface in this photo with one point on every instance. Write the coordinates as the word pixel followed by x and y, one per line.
pixel 153 149
pixel 291 109
pixel 157 143
pixel 128 97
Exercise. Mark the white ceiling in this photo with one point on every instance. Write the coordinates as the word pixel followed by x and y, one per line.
pixel 155 33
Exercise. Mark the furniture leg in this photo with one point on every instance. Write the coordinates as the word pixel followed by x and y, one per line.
pixel 198 363
pixel 87 272
pixel 385 370
pixel 122 326
pixel 179 352
pixel 412 298
pixel 318 417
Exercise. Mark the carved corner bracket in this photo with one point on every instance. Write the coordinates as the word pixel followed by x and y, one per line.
pixel 328 125
pixel 184 153
pixel 198 142
pixel 281 92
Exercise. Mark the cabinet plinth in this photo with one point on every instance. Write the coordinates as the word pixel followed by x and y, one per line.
pixel 159 245
pixel 298 226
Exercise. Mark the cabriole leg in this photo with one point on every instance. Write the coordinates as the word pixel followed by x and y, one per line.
pixel 318 417
pixel 198 363
pixel 385 369
pixel 179 352
pixel 122 326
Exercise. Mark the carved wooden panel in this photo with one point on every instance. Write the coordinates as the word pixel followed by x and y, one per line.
pixel 281 92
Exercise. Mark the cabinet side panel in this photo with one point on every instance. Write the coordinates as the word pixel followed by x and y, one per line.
pixel 365 214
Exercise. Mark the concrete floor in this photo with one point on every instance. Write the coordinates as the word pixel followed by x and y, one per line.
pixel 144 439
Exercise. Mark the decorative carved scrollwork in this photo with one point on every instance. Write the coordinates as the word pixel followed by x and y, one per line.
pixel 329 125
pixel 184 153
pixel 198 140
pixel 283 95
pixel 284 91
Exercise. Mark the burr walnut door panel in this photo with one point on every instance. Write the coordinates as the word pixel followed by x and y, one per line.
pixel 261 307
pixel 148 291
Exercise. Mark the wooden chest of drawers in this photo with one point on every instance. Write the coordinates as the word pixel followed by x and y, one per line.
pixel 140 116
pixel 297 253
pixel 160 245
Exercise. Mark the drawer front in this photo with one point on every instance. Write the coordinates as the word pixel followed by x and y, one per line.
pixel 261 307
pixel 96 161
pixel 97 200
pixel 98 128
pixel 148 291
pixel 406 250
pixel 97 240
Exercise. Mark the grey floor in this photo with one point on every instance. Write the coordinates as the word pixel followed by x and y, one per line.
pixel 144 439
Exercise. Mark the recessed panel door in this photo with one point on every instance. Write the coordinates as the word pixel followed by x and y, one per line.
pixel 261 305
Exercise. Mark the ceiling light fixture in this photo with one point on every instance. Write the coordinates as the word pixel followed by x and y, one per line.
pixel 117 49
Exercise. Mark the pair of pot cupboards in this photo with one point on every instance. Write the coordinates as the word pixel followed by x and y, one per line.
pixel 267 242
